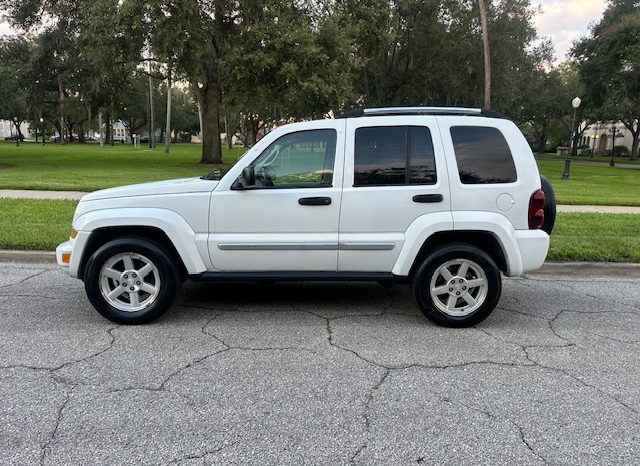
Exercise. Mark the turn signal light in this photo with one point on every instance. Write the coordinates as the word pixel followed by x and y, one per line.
pixel 66 257
pixel 536 210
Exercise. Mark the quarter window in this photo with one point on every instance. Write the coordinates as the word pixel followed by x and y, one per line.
pixel 394 155
pixel 303 159
pixel 483 155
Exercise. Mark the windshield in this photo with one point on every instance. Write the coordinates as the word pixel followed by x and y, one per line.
pixel 218 173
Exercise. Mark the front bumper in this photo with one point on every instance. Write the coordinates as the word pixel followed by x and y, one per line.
pixel 63 254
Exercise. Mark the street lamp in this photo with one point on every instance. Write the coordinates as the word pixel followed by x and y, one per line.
pixel 614 130
pixel 575 103
pixel 15 122
pixel 43 135
pixel 593 150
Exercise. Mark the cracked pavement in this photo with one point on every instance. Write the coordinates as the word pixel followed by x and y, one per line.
pixel 319 373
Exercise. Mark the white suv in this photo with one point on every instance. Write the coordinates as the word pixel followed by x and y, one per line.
pixel 442 198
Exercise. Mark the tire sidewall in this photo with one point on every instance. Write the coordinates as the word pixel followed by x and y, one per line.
pixel 549 205
pixel 169 279
pixel 422 282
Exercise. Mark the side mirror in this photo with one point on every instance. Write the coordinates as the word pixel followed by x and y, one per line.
pixel 248 176
pixel 246 180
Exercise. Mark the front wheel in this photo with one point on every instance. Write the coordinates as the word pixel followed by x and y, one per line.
pixel 457 285
pixel 131 281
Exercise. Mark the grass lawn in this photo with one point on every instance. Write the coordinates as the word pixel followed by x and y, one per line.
pixel 593 185
pixel 87 167
pixel 43 224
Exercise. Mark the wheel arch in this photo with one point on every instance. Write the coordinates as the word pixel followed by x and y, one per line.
pixel 103 235
pixel 483 240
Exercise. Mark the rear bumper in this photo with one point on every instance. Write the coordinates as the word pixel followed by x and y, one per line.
pixel 534 246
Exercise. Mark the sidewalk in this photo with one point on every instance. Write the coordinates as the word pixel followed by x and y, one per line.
pixel 32 194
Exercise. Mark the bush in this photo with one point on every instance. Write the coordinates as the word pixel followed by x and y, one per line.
pixel 621 151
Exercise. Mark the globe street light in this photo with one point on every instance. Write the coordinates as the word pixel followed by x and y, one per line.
pixel 15 122
pixel 575 103
pixel 613 131
pixel 42 126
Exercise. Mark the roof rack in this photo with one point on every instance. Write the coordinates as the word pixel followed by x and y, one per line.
pixel 389 111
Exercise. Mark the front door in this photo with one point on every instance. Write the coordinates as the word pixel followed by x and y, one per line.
pixel 289 219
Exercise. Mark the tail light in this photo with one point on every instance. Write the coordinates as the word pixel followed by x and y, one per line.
pixel 536 210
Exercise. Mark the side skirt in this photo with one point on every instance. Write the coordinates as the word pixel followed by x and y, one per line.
pixel 300 276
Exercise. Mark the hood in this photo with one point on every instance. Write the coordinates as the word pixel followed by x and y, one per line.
pixel 180 186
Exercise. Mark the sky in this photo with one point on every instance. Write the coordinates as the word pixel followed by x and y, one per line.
pixel 565 21
pixel 561 20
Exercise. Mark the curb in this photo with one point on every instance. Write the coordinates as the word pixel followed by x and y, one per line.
pixel 586 269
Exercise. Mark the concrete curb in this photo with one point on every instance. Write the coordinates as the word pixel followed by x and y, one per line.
pixel 586 269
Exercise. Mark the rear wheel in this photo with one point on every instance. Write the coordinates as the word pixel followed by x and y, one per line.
pixel 457 285
pixel 131 281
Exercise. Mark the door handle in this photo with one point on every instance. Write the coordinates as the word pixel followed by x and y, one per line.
pixel 428 198
pixel 314 201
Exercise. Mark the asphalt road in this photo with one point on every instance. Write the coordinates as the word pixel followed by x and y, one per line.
pixel 319 374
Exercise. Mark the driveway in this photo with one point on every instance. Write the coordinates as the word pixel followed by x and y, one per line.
pixel 319 374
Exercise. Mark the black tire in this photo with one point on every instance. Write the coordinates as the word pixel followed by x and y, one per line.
pixel 549 205
pixel 140 252
pixel 488 293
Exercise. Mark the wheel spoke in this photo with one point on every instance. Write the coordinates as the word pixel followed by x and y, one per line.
pixel 134 297
pixel 441 290
pixel 148 288
pixel 469 299
pixel 112 273
pixel 144 271
pixel 444 272
pixel 115 293
pixel 128 262
pixel 475 283
pixel 451 303
pixel 462 271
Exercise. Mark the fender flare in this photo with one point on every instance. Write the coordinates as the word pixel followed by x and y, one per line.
pixel 172 224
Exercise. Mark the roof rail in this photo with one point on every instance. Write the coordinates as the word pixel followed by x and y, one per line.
pixel 388 111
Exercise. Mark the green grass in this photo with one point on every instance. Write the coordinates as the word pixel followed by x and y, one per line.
pixel 87 167
pixel 593 185
pixel 43 224
pixel 587 159
pixel 596 237
pixel 34 224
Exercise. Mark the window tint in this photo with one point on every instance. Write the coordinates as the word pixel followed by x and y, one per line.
pixel 298 160
pixel 483 155
pixel 394 155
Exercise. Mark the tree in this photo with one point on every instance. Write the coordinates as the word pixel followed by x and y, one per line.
pixel 609 60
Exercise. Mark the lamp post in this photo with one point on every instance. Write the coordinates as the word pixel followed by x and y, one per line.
pixel 15 122
pixel 614 130
pixel 593 149
pixel 44 141
pixel 575 103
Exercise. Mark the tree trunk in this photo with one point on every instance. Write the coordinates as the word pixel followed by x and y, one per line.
pixel 211 149
pixel 487 57
pixel 61 102
pixel 81 133
pixel 634 147
pixel 152 120
pixel 167 130
pixel 100 129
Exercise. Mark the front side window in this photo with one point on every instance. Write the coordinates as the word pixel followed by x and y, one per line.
pixel 483 155
pixel 394 155
pixel 303 159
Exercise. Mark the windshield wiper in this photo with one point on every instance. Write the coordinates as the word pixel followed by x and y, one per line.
pixel 214 175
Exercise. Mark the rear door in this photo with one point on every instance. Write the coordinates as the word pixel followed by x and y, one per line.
pixel 394 173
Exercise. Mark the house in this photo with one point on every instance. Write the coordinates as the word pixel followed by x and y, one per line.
pixel 8 129
pixel 599 136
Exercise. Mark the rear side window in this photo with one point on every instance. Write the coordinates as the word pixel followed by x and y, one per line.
pixel 483 155
pixel 394 155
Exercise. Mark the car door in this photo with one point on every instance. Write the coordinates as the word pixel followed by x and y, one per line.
pixel 288 221
pixel 395 172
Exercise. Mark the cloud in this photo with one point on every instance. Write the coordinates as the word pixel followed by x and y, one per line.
pixel 565 21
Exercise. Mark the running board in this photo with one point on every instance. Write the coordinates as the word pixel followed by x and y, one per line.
pixel 299 276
